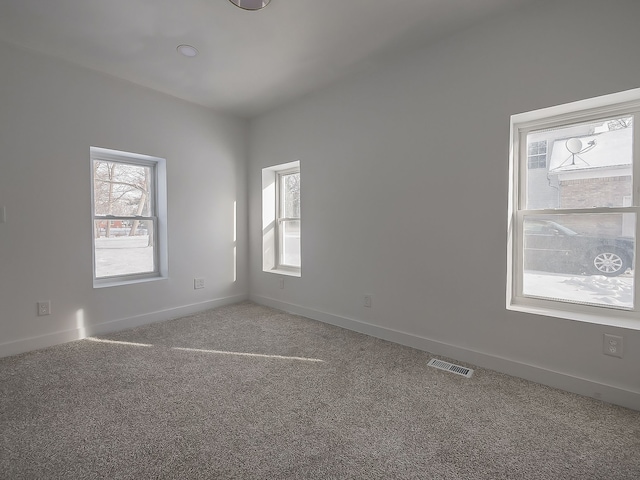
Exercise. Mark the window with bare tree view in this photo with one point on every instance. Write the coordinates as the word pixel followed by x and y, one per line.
pixel 289 219
pixel 125 217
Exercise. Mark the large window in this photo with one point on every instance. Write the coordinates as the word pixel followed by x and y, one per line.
pixel 573 225
pixel 281 219
pixel 128 216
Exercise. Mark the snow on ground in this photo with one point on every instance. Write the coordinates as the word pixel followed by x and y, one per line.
pixel 123 255
pixel 594 289
pixel 127 255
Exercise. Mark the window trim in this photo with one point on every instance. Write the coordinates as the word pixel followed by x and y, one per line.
pixel 271 220
pixel 158 217
pixel 613 105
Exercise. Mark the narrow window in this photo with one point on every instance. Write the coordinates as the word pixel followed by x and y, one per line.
pixel 281 219
pixel 288 221
pixel 128 232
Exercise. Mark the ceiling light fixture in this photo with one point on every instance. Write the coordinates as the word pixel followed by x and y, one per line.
pixel 251 4
pixel 187 50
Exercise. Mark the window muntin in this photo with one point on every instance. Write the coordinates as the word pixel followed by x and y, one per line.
pixel 288 219
pixel 573 242
pixel 125 216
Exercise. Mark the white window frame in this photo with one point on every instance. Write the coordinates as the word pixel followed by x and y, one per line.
pixel 614 105
pixel 280 220
pixel 272 220
pixel 158 215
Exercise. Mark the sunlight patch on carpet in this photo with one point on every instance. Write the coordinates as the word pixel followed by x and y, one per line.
pixel 242 354
pixel 103 340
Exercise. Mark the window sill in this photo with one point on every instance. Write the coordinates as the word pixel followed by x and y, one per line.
pixel 288 273
pixel 606 319
pixel 116 283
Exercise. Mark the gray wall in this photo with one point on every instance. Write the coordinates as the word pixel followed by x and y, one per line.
pixel 404 192
pixel 50 114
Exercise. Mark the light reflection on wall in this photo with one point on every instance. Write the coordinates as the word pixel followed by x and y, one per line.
pixel 82 331
pixel 235 242
pixel 268 218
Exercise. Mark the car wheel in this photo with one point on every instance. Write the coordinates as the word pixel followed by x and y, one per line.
pixel 609 263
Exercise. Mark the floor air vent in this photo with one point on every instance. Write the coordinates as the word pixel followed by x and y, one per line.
pixel 450 367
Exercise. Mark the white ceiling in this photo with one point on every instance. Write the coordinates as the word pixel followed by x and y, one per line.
pixel 249 62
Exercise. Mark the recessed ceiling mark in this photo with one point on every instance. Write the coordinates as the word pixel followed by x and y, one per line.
pixel 187 50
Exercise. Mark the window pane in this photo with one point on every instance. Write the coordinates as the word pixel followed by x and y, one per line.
pixel 537 154
pixel 122 189
pixel 290 243
pixel 586 258
pixel 580 166
pixel 290 195
pixel 124 247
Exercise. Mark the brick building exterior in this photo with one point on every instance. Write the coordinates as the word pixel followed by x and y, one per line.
pixel 599 175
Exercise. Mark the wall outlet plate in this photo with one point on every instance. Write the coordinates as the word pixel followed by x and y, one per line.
pixel 368 301
pixel 613 345
pixel 44 308
pixel 198 283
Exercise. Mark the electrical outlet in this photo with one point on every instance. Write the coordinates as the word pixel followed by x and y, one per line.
pixel 368 301
pixel 281 282
pixel 613 345
pixel 44 308
pixel 198 283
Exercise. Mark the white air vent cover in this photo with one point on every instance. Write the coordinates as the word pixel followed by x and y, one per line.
pixel 450 367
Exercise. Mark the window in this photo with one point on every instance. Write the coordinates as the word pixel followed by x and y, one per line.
pixel 537 157
pixel 128 217
pixel 573 210
pixel 288 219
pixel 281 219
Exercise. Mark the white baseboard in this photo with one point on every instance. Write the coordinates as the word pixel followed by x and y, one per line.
pixel 56 338
pixel 563 381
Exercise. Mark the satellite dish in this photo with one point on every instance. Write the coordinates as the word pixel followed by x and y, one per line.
pixel 574 145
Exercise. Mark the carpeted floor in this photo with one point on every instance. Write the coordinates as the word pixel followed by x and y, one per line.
pixel 316 402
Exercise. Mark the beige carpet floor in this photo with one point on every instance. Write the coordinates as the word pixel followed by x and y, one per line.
pixel 249 392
